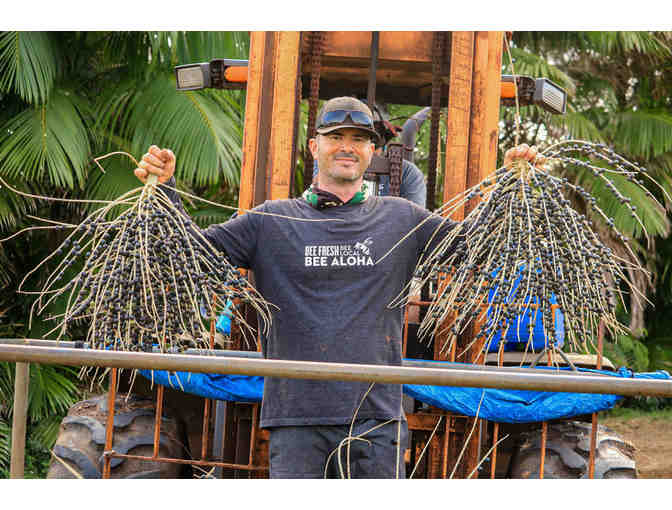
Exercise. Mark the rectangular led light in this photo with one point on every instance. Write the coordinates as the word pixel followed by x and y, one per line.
pixel 193 76
pixel 540 91
pixel 549 96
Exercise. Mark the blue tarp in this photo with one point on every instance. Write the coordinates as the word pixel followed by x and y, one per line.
pixel 508 406
pixel 522 406
pixel 517 332
pixel 234 388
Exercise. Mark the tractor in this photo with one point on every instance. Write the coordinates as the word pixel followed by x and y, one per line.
pixel 162 429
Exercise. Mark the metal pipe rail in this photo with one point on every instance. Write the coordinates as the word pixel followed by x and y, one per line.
pixel 258 355
pixel 523 379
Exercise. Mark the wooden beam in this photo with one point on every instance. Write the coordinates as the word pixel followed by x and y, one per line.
pixel 481 162
pixel 457 123
pixel 492 103
pixel 19 420
pixel 455 174
pixel 477 151
pixel 396 47
pixel 257 124
pixel 285 84
pixel 422 421
pixel 457 135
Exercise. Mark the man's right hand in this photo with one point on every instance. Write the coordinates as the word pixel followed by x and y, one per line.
pixel 160 162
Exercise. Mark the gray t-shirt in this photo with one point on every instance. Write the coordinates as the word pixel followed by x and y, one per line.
pixel 332 297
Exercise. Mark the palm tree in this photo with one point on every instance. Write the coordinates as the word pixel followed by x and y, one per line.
pixel 68 97
pixel 618 96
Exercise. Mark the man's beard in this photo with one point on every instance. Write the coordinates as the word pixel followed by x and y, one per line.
pixel 346 178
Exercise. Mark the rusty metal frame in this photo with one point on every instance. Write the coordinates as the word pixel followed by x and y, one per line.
pixel 450 427
pixel 518 378
pixel 109 452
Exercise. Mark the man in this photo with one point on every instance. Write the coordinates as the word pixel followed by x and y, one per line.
pixel 413 185
pixel 332 297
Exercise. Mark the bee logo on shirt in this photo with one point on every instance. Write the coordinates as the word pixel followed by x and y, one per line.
pixel 363 247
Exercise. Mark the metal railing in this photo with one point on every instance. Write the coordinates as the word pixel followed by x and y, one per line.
pixel 24 352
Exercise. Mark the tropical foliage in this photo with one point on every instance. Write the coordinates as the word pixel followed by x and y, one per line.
pixel 66 98
pixel 618 96
pixel 618 87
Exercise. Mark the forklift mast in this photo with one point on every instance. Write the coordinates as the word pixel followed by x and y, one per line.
pixel 460 71
pixel 457 70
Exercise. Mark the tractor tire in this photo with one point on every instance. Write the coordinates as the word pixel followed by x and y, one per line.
pixel 568 451
pixel 81 440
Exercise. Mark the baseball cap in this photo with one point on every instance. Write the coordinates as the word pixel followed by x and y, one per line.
pixel 345 112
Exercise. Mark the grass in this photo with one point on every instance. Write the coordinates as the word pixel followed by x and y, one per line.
pixel 628 413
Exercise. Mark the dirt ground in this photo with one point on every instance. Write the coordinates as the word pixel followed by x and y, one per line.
pixel 652 438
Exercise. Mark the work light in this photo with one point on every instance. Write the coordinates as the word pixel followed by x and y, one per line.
pixel 218 73
pixel 540 91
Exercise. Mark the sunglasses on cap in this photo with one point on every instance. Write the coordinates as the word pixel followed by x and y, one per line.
pixel 336 117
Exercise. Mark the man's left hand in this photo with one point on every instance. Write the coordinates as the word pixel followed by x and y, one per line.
pixel 524 151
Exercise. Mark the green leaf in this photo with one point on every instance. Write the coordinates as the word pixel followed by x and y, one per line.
pixel 194 46
pixel 5 445
pixel 576 126
pixel 117 180
pixel 645 134
pixel 203 129
pixel 652 216
pixel 13 206
pixel 52 390
pixel 49 141
pixel 6 385
pixel 210 215
pixel 624 41
pixel 28 65
pixel 526 63
pixel 660 170
pixel 45 431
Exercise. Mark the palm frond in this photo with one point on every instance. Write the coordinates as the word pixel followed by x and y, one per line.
pixel 577 126
pixel 593 93
pixel 45 432
pixel 643 133
pixel 126 51
pixel 13 206
pixel 5 445
pixel 527 63
pixel 28 65
pixel 204 129
pixel 112 112
pixel 210 215
pixel 194 46
pixel 49 141
pixel 6 386
pixel 660 169
pixel 117 179
pixel 624 42
pixel 652 216
pixel 542 41
pixel 52 391
pixel 7 273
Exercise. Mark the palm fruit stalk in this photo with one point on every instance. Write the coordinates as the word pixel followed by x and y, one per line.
pixel 524 223
pixel 149 278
